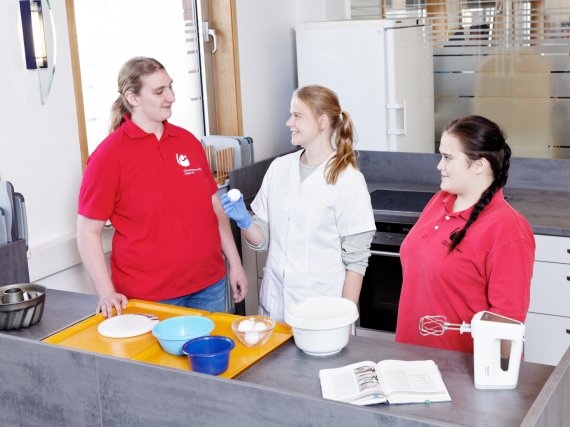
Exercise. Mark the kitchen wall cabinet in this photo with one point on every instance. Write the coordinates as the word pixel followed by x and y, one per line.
pixel 548 320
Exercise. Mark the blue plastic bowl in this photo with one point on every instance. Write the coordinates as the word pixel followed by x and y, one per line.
pixel 209 355
pixel 174 332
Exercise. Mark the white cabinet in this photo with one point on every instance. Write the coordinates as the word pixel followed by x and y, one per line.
pixel 548 321
pixel 546 338
pixel 253 263
pixel 550 289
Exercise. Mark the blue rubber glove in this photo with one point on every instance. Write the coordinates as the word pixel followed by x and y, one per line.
pixel 237 211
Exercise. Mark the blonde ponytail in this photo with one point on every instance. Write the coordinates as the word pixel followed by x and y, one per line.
pixel 118 111
pixel 322 100
pixel 130 80
pixel 345 154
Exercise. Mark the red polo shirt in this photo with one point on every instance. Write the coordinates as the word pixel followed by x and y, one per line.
pixel 158 196
pixel 490 270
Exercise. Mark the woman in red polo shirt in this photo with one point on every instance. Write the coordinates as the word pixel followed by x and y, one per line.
pixel 152 181
pixel 470 251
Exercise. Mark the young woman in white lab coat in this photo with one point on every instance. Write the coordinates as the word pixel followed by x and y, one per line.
pixel 313 210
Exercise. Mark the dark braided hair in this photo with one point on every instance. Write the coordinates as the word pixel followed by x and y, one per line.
pixel 481 138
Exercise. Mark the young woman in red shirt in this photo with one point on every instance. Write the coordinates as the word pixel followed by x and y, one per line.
pixel 151 179
pixel 470 251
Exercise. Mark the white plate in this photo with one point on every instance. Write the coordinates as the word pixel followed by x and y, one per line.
pixel 125 326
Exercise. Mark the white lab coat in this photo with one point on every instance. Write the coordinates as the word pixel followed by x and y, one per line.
pixel 306 222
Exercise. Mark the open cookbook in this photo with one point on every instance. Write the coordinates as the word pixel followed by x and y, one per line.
pixel 388 381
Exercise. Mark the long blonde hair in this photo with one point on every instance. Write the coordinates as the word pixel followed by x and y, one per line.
pixel 130 79
pixel 322 100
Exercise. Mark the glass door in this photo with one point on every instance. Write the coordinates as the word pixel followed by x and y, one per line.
pixel 208 46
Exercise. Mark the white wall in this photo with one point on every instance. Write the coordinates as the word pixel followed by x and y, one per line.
pixel 268 70
pixel 39 147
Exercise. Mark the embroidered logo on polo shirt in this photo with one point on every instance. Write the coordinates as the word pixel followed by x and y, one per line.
pixel 182 160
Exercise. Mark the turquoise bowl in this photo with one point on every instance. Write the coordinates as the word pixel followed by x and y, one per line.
pixel 172 333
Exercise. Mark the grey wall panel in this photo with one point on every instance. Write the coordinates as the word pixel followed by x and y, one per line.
pixel 44 385
pixel 129 398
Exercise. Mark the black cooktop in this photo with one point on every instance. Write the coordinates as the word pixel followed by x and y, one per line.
pixel 400 200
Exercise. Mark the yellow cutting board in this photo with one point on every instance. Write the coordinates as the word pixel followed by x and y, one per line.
pixel 146 348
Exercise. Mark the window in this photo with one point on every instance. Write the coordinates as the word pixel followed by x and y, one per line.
pixel 109 32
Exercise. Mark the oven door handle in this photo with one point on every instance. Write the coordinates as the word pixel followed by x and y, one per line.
pixel 385 253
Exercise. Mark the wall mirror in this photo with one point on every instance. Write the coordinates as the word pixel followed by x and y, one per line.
pixel 46 73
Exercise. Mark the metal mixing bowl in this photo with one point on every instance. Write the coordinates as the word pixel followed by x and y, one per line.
pixel 16 315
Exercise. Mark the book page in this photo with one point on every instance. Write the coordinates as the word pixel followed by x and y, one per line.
pixel 412 381
pixel 356 383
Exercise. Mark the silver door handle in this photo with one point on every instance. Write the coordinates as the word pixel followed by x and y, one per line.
pixel 385 253
pixel 210 35
pixel 404 129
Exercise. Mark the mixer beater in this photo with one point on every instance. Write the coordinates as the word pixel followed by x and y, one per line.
pixel 437 325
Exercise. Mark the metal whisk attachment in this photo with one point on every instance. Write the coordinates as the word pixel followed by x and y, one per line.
pixel 437 325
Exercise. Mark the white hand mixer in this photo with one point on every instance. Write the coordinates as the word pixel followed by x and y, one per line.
pixel 494 336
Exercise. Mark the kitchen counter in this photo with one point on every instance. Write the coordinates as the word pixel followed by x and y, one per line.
pixel 48 384
pixel 547 211
pixel 61 309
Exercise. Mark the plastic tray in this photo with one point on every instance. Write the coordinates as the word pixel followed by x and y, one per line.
pixel 145 348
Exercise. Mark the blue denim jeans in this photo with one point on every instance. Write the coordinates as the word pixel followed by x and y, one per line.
pixel 212 298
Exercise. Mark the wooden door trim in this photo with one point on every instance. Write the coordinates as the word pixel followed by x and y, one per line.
pixel 76 73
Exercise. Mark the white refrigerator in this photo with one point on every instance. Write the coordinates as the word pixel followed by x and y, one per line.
pixel 382 71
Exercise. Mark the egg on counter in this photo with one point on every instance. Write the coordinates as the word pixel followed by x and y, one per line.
pixel 251 329
pixel 259 326
pixel 246 325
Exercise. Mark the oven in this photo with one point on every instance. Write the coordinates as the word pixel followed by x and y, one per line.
pixel 383 279
pixel 395 211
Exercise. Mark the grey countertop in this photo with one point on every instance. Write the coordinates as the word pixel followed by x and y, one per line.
pixel 298 373
pixel 61 309
pixel 282 389
pixel 547 211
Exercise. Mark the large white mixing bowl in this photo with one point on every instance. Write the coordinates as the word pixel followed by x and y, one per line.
pixel 321 325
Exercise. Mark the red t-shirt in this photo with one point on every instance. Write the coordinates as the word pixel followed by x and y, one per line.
pixel 490 270
pixel 158 196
